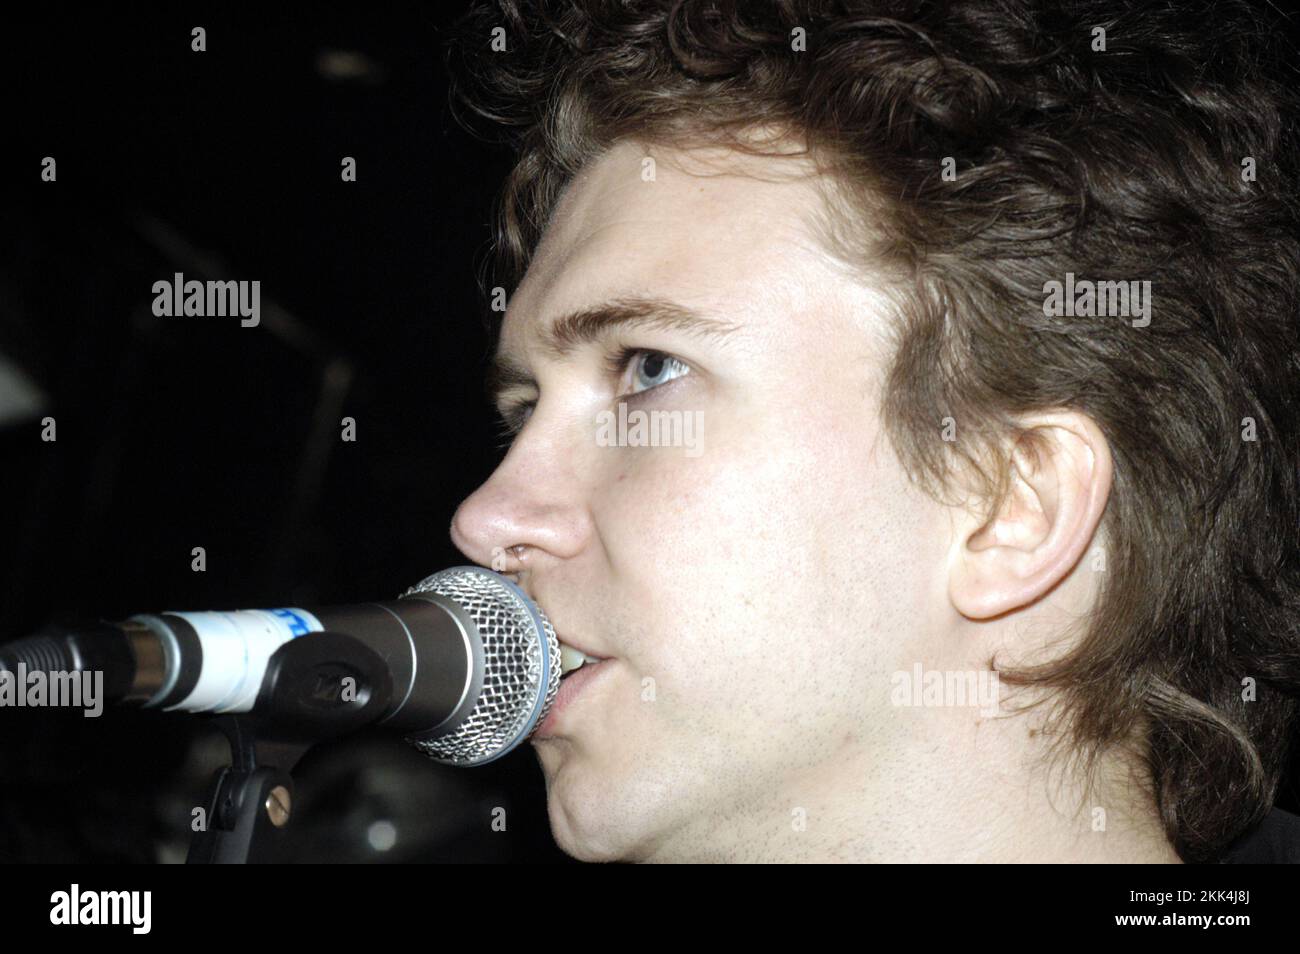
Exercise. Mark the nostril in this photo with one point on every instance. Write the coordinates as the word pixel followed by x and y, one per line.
pixel 508 561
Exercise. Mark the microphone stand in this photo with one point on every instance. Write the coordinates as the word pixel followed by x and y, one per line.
pixel 316 687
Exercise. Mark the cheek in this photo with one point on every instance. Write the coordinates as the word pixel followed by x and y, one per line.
pixel 670 521
pixel 885 557
pixel 775 542
pixel 710 557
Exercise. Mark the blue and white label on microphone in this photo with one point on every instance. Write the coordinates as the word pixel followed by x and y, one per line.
pixel 237 646
pixel 300 621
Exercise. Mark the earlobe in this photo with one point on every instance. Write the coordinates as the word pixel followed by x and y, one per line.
pixel 1058 482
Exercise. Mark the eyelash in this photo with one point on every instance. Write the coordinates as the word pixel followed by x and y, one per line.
pixel 616 363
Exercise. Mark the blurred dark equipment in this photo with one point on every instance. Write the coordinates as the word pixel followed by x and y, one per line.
pixel 174 434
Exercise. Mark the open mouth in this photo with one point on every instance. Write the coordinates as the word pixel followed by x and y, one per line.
pixel 571 660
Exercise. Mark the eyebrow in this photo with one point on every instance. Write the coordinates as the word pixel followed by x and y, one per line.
pixel 592 323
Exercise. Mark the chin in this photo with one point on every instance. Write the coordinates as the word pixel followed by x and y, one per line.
pixel 593 807
pixel 575 841
pixel 583 822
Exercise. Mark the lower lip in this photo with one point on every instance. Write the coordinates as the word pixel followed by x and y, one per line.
pixel 570 686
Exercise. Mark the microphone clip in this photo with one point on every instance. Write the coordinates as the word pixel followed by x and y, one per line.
pixel 316 687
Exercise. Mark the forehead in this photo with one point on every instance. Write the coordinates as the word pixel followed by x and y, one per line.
pixel 711 228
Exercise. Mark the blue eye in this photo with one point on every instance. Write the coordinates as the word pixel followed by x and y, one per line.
pixel 652 368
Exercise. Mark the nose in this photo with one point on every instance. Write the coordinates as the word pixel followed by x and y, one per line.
pixel 526 513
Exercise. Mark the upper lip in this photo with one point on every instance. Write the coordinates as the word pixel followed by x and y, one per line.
pixel 567 640
pixel 564 636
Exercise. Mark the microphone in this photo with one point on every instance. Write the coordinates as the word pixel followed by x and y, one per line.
pixel 474 663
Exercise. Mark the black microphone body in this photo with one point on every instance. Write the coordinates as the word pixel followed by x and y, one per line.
pixel 213 662
pixel 471 663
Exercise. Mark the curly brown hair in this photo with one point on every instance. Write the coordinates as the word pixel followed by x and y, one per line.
pixel 1165 152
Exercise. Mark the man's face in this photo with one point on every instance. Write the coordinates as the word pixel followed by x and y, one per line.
pixel 753 592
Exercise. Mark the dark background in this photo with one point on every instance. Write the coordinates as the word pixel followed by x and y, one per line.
pixel 185 432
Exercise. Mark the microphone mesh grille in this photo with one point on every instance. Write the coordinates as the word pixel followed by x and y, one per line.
pixel 521 666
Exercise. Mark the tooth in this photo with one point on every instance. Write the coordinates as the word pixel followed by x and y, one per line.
pixel 570 658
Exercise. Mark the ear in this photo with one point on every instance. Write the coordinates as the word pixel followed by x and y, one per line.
pixel 1058 486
